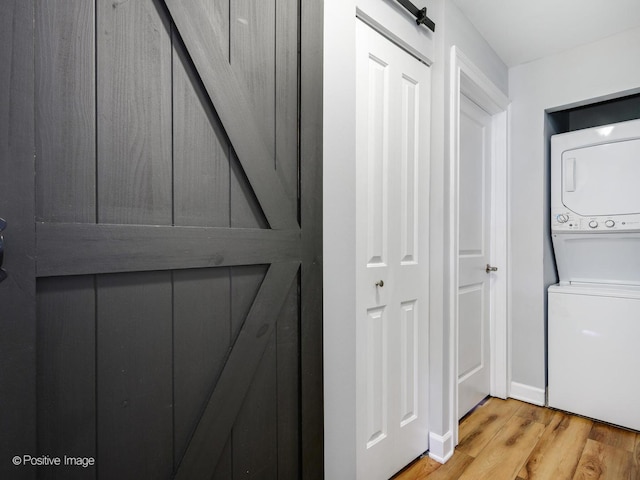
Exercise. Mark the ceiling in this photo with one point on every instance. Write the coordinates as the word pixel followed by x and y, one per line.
pixel 524 30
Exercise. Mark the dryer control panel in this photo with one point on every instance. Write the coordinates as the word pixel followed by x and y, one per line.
pixel 568 221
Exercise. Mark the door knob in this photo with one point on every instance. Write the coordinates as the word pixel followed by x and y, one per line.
pixel 3 225
pixel 491 269
pixel 380 283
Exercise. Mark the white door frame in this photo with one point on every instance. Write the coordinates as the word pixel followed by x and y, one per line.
pixel 469 80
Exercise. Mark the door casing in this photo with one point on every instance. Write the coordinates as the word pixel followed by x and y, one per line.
pixel 466 78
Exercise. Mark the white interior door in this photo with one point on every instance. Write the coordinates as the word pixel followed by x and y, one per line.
pixel 474 355
pixel 392 266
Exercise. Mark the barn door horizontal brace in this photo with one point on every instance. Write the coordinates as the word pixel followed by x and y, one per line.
pixel 420 14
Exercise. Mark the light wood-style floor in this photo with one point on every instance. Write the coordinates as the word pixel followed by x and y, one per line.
pixel 512 440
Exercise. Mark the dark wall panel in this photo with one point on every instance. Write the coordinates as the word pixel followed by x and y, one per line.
pixel 66 373
pixel 65 111
pixel 134 113
pixel 134 375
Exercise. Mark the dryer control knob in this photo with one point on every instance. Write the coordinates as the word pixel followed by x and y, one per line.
pixel 562 218
pixel 609 223
pixel 593 224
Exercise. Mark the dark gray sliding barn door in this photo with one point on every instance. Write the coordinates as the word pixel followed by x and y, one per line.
pixel 162 313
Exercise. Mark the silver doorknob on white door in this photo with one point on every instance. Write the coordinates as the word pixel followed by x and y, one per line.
pixel 380 283
pixel 491 269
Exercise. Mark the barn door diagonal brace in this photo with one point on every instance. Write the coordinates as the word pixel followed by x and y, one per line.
pixel 420 14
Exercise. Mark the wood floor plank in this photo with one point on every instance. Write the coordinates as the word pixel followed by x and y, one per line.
pixel 477 430
pixel 505 440
pixel 510 449
pixel 612 436
pixel 636 457
pixel 452 469
pixel 535 413
pixel 429 469
pixel 604 462
pixel 419 469
pixel 558 452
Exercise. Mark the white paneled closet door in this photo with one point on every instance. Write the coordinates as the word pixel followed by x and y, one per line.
pixel 392 195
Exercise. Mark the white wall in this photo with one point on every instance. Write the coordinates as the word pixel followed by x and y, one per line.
pixel 596 71
pixel 339 207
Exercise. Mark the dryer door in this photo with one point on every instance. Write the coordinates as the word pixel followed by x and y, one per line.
pixel 602 179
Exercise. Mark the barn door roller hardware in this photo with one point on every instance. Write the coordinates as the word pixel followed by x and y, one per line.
pixel 420 14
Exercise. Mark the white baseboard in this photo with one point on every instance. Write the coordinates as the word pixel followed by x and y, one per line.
pixel 441 447
pixel 527 393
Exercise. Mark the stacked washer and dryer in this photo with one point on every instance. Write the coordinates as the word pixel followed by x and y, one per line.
pixel 594 312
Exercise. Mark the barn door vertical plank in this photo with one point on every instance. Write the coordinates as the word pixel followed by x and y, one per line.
pixel 311 225
pixel 200 146
pixel 224 469
pixel 134 370
pixel 252 59
pixel 17 198
pixel 202 334
pixel 66 373
pixel 286 83
pixel 254 437
pixel 288 372
pixel 65 111
pixel 287 37
pixel 245 210
pixel 65 192
pixel 245 283
pixel 134 113
pixel 255 431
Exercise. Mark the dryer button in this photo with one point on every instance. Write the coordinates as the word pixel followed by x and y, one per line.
pixel 593 224
pixel 609 223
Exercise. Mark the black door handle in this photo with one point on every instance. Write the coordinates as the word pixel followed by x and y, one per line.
pixel 3 274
